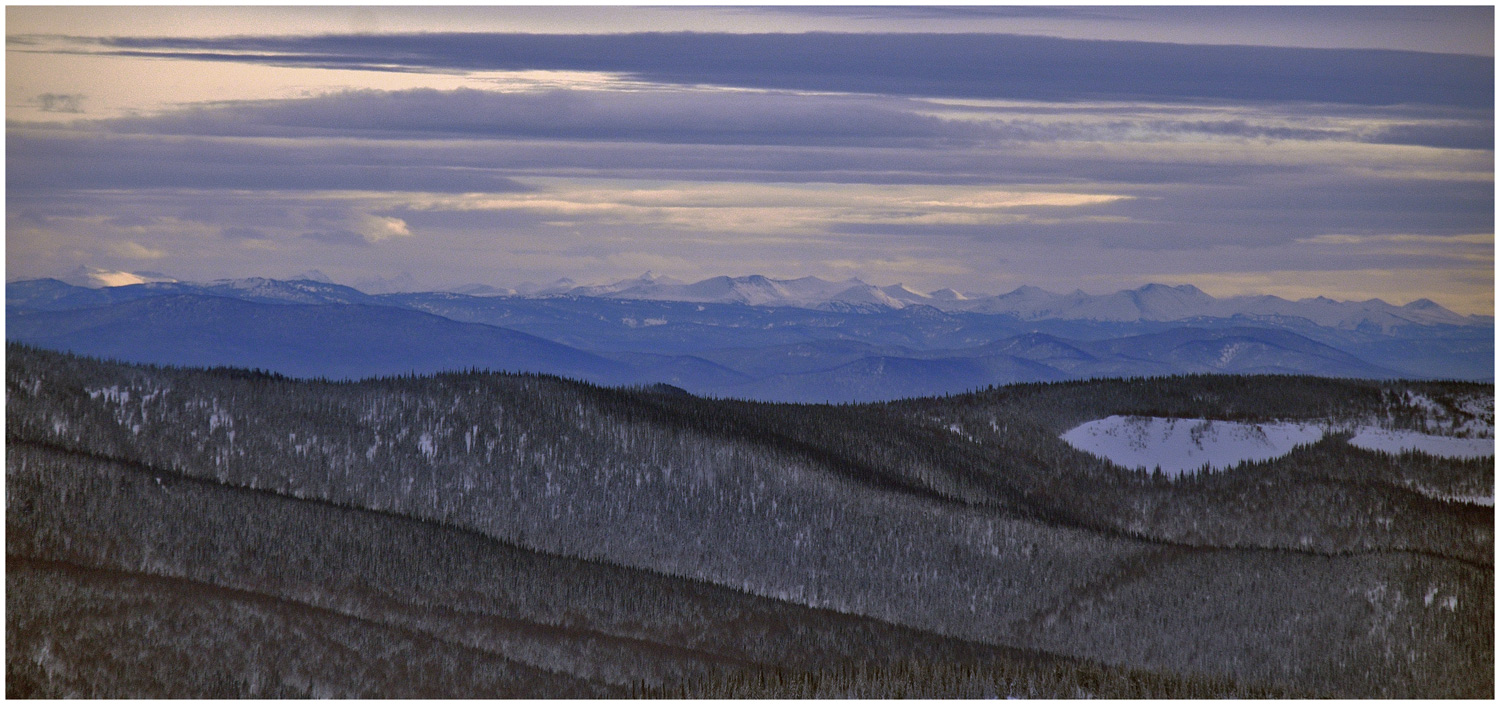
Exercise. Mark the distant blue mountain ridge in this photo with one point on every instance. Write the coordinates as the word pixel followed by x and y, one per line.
pixel 803 340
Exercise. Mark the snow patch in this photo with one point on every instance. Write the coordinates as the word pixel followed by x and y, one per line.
pixel 113 394
pixel 1479 499
pixel 1469 416
pixel 1179 446
pixel 1481 406
pixel 959 430
pixel 1396 441
pixel 1231 351
pixel 1423 402
pixel 219 418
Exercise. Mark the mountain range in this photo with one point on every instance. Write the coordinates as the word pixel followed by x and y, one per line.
pixel 806 340
pixel 1152 302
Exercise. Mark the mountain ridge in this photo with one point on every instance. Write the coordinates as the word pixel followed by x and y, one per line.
pixel 1149 302
pixel 337 341
pixel 1153 301
pixel 856 348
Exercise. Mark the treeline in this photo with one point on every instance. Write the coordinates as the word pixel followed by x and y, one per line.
pixel 927 680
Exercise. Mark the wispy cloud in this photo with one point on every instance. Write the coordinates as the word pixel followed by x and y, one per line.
pixel 771 208
pixel 338 237
pixel 242 233
pixel 1340 239
pixel 776 117
pixel 134 250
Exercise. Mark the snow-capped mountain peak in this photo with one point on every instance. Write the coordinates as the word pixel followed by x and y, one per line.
pixel 865 296
pixel 947 294
pixel 1150 302
pixel 903 293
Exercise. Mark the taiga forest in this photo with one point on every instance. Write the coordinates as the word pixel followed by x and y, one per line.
pixel 221 532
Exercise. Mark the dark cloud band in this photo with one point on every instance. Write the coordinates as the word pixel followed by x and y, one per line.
pixel 677 116
pixel 971 66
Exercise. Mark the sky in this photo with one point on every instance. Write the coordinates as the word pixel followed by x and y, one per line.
pixel 1337 151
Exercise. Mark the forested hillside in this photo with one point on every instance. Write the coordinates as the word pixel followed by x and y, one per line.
pixel 489 535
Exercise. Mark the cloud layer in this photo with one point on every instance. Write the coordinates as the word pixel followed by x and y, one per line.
pixel 980 162
pixel 972 66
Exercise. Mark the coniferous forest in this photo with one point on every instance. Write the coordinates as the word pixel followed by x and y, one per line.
pixel 177 532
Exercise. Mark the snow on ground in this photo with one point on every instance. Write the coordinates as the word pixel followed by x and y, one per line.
pixel 1482 406
pixel 1471 416
pixel 1186 445
pixel 1483 424
pixel 1421 401
pixel 1485 500
pixel 1393 441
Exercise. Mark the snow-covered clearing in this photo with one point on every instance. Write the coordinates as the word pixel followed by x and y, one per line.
pixel 1177 446
pixel 1186 445
pixel 1393 441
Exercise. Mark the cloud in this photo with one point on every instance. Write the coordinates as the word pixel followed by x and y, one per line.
pixel 376 228
pixel 668 116
pixel 135 250
pixel 302 149
pixel 475 220
pixel 954 65
pixel 1464 135
pixel 242 233
pixel 131 221
pixel 337 237
pixel 61 102
pixel 919 12
pixel 737 117
pixel 53 160
pixel 1266 213
pixel 771 209
pixel 365 230
pixel 1247 159
pixel 1170 195
pixel 1341 239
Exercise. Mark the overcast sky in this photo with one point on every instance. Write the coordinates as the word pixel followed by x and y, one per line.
pixel 1346 152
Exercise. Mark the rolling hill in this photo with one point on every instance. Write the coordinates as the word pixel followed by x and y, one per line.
pixel 563 537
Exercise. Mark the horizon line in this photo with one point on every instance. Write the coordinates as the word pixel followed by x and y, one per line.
pixel 146 277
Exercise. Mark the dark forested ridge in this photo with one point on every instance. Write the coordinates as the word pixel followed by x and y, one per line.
pixel 178 532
